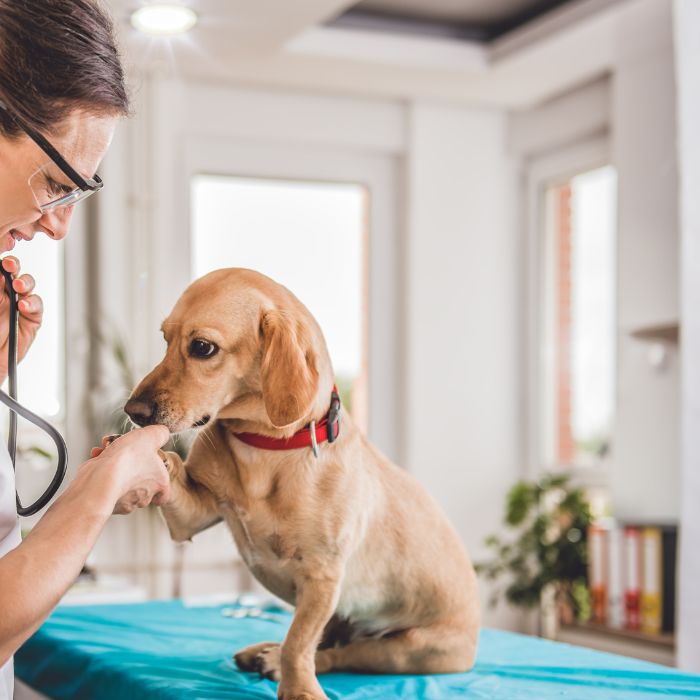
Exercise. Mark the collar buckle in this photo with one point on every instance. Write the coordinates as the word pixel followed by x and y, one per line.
pixel 314 442
pixel 333 425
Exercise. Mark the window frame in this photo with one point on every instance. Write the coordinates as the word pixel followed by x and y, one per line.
pixel 540 173
pixel 360 414
pixel 379 173
pixel 73 359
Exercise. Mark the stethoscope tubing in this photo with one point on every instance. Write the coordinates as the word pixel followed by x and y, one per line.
pixel 16 409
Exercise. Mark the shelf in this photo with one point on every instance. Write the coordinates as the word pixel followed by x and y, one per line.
pixel 664 639
pixel 660 333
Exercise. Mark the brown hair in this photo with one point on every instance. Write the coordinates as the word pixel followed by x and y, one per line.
pixel 56 56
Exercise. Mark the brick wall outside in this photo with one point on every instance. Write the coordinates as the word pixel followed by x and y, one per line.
pixel 565 442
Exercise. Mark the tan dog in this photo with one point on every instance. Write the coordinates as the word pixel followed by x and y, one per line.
pixel 380 580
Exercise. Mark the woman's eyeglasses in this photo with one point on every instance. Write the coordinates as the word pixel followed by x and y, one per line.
pixel 49 193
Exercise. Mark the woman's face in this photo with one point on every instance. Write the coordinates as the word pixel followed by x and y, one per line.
pixel 82 140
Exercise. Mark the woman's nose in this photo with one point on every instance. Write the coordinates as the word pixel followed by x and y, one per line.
pixel 56 222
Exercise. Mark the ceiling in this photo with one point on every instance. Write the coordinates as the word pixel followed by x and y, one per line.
pixel 453 10
pixel 303 45
pixel 479 20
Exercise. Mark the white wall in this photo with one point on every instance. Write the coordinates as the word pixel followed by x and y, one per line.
pixel 576 116
pixel 457 256
pixel 462 347
pixel 645 460
pixel 143 250
pixel 635 107
pixel 265 134
pixel 462 373
pixel 687 34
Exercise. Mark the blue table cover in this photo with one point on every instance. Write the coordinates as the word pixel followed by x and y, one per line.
pixel 168 650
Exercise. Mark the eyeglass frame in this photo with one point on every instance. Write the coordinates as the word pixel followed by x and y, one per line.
pixel 89 184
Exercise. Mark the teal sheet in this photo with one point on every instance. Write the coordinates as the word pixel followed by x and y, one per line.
pixel 165 650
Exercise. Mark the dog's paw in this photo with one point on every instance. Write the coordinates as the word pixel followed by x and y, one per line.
pixel 164 458
pixel 310 690
pixel 262 658
pixel 270 663
pixel 174 467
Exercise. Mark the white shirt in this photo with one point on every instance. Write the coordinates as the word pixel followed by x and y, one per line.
pixel 9 539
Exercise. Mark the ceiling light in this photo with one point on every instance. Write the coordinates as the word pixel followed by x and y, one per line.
pixel 164 19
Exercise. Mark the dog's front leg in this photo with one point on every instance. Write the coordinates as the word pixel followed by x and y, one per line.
pixel 317 597
pixel 191 508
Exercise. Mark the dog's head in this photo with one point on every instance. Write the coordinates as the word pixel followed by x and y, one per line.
pixel 240 346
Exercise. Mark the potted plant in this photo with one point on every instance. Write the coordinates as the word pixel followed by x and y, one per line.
pixel 544 555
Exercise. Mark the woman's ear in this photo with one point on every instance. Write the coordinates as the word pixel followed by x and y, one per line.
pixel 288 370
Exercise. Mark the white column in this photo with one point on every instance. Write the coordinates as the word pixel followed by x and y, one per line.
pixel 645 470
pixel 462 385
pixel 687 42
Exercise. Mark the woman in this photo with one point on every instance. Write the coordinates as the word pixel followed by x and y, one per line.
pixel 61 94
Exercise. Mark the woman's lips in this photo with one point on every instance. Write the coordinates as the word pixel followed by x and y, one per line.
pixel 9 242
pixel 21 236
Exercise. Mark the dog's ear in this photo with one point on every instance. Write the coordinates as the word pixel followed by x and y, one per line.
pixel 288 369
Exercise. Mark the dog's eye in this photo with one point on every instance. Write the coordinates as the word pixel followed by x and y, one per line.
pixel 202 348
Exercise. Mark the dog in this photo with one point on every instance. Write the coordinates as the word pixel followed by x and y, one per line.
pixel 379 579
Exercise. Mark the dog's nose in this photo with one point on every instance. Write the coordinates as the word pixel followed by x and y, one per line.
pixel 141 410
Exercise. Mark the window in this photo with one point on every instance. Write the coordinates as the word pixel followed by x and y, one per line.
pixel 310 237
pixel 41 375
pixel 578 334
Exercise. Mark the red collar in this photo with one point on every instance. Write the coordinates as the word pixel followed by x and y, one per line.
pixel 309 436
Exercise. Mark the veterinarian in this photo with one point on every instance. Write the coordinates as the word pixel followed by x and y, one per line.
pixel 61 78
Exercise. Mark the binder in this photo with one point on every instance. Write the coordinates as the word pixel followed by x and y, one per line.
pixel 651 610
pixel 632 575
pixel 669 541
pixel 632 543
pixel 616 607
pixel 596 572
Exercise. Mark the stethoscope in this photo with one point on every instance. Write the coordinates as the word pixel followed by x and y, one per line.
pixel 17 409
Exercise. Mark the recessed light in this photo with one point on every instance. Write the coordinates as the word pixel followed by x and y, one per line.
pixel 163 19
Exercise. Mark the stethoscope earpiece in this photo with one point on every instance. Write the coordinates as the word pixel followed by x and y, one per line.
pixel 17 409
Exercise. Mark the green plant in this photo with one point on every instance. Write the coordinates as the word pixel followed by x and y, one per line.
pixel 549 521
pixel 344 383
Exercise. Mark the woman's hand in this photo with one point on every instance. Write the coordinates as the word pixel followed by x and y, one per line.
pixel 31 312
pixel 134 468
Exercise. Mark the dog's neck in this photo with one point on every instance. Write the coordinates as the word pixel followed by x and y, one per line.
pixel 257 442
pixel 247 414
pixel 260 472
